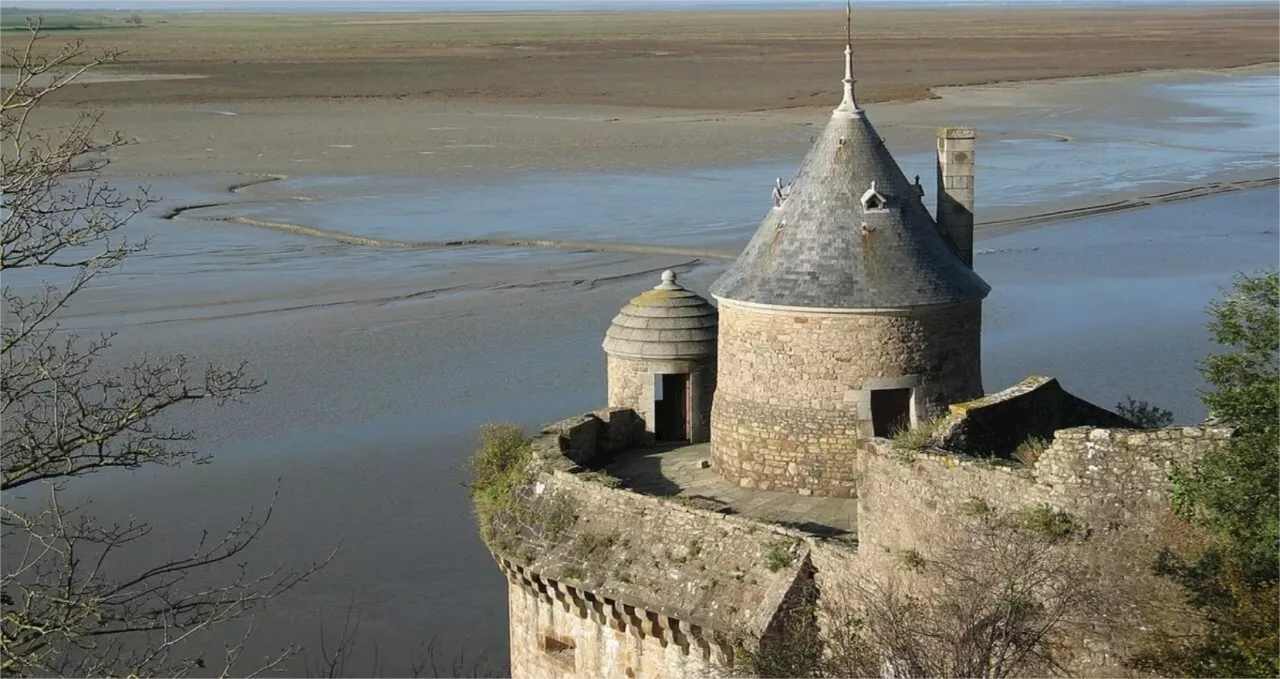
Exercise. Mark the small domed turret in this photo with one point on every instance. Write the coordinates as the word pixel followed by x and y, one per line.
pixel 661 352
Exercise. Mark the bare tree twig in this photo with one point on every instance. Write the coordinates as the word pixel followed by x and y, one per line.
pixel 70 605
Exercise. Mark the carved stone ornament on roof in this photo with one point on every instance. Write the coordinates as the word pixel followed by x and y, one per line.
pixel 780 192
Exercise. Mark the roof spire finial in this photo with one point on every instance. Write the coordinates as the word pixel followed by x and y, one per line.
pixel 849 103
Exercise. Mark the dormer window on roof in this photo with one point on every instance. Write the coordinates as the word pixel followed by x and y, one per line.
pixel 873 201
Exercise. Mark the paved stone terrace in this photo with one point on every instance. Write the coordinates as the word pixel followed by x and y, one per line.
pixel 668 471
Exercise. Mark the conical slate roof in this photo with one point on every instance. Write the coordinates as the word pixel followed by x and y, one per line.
pixel 667 322
pixel 822 248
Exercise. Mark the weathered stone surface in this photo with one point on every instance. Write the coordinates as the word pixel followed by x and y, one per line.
pixel 1114 482
pixel 995 425
pixel 663 590
pixel 631 386
pixel 640 586
pixel 794 388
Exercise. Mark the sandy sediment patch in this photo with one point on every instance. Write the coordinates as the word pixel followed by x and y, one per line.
pixel 9 79
pixel 470 140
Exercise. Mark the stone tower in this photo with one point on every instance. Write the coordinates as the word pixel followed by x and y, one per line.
pixel 850 314
pixel 661 352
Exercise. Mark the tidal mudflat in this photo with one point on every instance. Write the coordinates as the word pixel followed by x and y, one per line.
pixel 382 361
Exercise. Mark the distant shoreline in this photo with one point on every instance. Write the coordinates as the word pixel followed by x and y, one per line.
pixel 563 6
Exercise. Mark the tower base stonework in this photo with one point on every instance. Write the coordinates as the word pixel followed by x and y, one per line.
pixel 798 389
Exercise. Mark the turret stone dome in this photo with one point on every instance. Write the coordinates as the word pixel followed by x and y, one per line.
pixel 667 322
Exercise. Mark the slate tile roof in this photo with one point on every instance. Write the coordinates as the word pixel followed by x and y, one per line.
pixel 822 248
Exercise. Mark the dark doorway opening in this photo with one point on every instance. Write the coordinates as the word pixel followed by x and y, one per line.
pixel 671 407
pixel 890 411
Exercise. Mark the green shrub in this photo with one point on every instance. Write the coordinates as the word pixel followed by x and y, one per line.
pixel 1028 452
pixel 1142 414
pixel 501 490
pixel 1047 522
pixel 975 507
pixel 780 555
pixel 918 436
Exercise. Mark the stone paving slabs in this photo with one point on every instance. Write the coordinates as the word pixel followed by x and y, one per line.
pixel 670 471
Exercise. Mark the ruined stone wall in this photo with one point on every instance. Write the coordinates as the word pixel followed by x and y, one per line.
pixel 1114 483
pixel 794 386
pixel 996 424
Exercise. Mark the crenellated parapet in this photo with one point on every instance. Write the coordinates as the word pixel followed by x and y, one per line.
pixel 625 618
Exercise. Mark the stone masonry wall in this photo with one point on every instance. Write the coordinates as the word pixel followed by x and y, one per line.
pixel 631 386
pixel 550 640
pixel 1115 482
pixel 794 387
pixel 635 585
pixel 996 424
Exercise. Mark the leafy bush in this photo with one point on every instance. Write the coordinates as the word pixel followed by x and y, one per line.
pixel 1047 522
pixel 1143 414
pixel 1233 494
pixel 502 494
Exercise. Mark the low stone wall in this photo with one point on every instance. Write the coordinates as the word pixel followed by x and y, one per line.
pixel 637 585
pixel 1114 483
pixel 591 440
pixel 996 424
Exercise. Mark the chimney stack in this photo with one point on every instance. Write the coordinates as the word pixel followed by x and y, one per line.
pixel 955 187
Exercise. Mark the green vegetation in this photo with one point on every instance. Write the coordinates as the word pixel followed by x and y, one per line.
pixel 916 437
pixel 1143 414
pixel 1028 452
pixel 502 496
pixel 1047 522
pixel 1233 495
pixel 975 507
pixel 602 478
pixel 912 559
pixel 780 555
pixel 16 19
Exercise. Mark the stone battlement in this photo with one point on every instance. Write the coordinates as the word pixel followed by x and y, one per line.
pixel 644 585
pixel 622 617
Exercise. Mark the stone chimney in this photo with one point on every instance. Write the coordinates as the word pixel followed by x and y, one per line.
pixel 955 187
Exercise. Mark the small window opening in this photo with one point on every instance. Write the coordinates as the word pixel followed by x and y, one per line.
pixel 560 649
pixel 890 411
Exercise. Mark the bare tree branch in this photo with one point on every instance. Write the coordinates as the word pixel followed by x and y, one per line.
pixel 71 604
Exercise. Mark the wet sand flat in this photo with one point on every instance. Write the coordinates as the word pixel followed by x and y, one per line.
pixel 484 140
pixel 727 61
pixel 381 362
